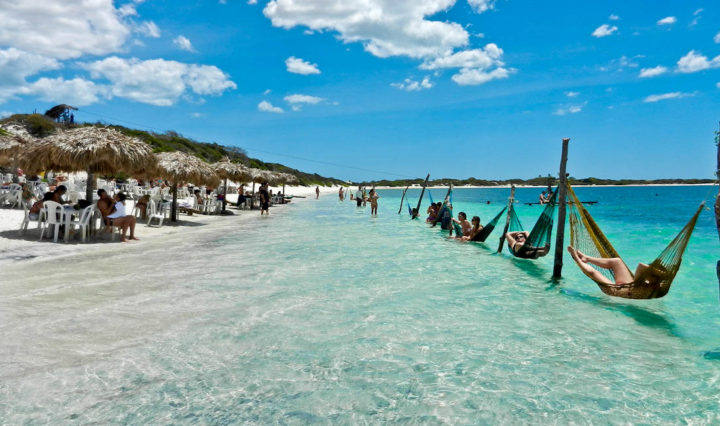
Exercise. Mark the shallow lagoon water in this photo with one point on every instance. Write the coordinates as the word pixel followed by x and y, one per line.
pixel 324 314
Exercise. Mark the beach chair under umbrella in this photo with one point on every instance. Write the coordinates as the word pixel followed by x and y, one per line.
pixel 225 169
pixel 179 167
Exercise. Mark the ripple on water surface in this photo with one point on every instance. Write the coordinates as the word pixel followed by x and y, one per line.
pixel 323 314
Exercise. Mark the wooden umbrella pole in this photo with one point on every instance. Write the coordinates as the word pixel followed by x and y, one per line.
pixel 417 210
pixel 283 199
pixel 89 187
pixel 402 199
pixel 507 218
pixel 562 209
pixel 224 203
pixel 252 197
pixel 173 208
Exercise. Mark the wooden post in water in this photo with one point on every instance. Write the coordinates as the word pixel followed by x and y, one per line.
pixel 173 207
pixel 562 209
pixel 403 199
pixel 717 199
pixel 421 197
pixel 507 218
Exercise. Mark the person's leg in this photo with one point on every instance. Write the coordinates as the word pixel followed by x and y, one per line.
pixel 132 223
pixel 615 264
pixel 589 270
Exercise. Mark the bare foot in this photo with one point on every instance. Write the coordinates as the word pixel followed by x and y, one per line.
pixel 581 255
pixel 134 238
pixel 123 240
pixel 573 253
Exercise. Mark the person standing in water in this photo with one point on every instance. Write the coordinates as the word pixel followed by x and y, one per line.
pixel 341 194
pixel 264 199
pixel 373 202
pixel 317 192
pixel 359 197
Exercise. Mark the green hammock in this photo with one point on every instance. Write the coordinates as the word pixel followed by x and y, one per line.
pixel 487 229
pixel 538 242
pixel 444 208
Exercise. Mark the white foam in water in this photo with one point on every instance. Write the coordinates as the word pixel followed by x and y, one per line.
pixel 324 314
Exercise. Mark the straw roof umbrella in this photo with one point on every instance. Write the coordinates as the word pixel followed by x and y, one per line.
pixel 93 149
pixel 182 167
pixel 10 145
pixel 287 178
pixel 225 169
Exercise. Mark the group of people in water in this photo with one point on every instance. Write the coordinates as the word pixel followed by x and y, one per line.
pixel 361 197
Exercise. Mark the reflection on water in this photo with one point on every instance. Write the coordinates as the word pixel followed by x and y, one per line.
pixel 323 314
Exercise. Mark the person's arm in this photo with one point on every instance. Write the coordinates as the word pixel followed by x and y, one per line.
pixel 510 238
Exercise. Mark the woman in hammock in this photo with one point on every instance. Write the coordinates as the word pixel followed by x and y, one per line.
pixel 516 240
pixel 476 228
pixel 614 264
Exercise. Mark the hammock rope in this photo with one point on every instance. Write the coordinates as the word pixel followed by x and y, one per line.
pixel 652 282
pixel 538 242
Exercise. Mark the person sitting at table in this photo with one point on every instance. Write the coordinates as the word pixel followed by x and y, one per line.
pixel 34 212
pixel 58 194
pixel 120 219
pixel 104 204
pixel 142 206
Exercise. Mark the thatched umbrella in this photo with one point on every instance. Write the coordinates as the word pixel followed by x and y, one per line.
pixel 285 179
pixel 10 146
pixel 93 149
pixel 225 169
pixel 181 167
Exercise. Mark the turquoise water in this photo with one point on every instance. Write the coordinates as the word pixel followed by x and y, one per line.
pixel 322 314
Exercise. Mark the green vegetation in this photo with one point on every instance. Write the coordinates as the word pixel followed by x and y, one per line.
pixel 40 126
pixel 36 124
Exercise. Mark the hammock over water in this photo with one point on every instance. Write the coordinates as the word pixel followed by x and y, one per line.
pixel 538 242
pixel 654 281
pixel 487 229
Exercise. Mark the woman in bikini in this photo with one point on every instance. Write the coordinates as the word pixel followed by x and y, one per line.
pixel 615 264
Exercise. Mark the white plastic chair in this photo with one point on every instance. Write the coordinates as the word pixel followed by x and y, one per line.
pixel 26 220
pixel 84 222
pixel 153 213
pixel 53 214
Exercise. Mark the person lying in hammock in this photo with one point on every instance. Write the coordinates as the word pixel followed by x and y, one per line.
pixel 465 226
pixel 474 231
pixel 516 240
pixel 614 264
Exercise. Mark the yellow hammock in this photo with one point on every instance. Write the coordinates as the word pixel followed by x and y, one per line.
pixel 651 283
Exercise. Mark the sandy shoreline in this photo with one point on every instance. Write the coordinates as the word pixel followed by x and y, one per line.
pixel 28 248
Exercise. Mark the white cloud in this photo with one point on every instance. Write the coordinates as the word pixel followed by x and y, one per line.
pixel 411 85
pixel 385 27
pixel 16 66
pixel 604 30
pixel 149 29
pixel 252 2
pixel 158 81
pixel 613 17
pixel 299 66
pixel 572 109
pixel 572 94
pixel 183 43
pixel 62 29
pixel 667 21
pixel 695 61
pixel 4 114
pixel 717 85
pixel 127 10
pixel 197 115
pixel 296 101
pixel 396 28
pixel 302 99
pixel 652 72
pixel 716 39
pixel 266 106
pixel 267 92
pixel 481 6
pixel 474 65
pixel 474 76
pixel 76 92
pixel 664 96
pixel 698 11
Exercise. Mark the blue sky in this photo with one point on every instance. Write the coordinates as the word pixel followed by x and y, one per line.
pixel 372 89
